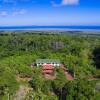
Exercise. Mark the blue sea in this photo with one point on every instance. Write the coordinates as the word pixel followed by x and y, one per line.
pixel 49 27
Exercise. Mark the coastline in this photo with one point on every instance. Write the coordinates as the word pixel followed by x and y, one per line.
pixel 48 29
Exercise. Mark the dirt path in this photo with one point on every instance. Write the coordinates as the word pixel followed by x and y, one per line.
pixel 21 93
pixel 67 74
pixel 19 78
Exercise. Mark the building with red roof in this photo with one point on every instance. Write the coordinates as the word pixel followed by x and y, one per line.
pixel 47 69
pixel 54 62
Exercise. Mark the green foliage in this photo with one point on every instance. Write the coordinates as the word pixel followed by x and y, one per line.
pixel 79 53
pixel 47 87
pixel 60 80
pixel 81 88
pixel 41 96
pixel 8 83
pixel 37 80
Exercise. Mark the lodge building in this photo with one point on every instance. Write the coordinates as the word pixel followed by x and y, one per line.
pixel 53 62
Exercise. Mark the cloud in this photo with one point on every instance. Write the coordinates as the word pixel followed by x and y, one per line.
pixel 55 4
pixel 19 12
pixel 65 2
pixel 13 13
pixel 22 11
pixel 14 1
pixel 3 13
pixel 70 2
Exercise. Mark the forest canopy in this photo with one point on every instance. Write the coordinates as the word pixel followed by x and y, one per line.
pixel 79 53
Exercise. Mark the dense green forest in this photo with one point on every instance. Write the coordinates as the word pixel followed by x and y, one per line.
pixel 79 53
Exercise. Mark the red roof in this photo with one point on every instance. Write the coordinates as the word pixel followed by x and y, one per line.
pixel 47 71
pixel 48 67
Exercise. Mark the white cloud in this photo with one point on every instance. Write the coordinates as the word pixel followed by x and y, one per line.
pixel 3 13
pixel 65 2
pixel 22 11
pixel 55 4
pixel 13 1
pixel 19 12
pixel 14 13
pixel 70 2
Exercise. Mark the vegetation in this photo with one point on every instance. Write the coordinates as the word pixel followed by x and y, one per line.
pixel 79 53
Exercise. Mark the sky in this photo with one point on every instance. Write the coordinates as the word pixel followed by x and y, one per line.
pixel 49 12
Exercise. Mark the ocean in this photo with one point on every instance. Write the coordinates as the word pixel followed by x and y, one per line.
pixel 49 27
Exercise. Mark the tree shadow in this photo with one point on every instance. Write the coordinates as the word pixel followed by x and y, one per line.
pixel 96 57
pixel 61 94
